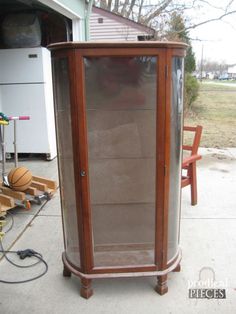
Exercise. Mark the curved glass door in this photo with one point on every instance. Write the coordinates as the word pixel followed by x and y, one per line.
pixel 175 156
pixel 121 101
pixel 65 158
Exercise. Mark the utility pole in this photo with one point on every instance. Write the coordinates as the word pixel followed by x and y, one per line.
pixel 201 64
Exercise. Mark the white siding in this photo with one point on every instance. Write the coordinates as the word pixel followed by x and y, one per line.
pixel 112 29
pixel 232 69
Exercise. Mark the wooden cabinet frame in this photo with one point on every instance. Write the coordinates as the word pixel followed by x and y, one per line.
pixel 75 54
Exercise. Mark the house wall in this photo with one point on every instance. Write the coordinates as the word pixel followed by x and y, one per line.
pixel 112 28
pixel 232 70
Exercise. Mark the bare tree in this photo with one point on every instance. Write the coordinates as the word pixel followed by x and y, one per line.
pixel 158 15
pixel 213 66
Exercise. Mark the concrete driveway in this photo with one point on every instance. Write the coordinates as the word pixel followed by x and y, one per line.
pixel 208 242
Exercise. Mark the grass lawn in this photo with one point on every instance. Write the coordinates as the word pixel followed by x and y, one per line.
pixel 215 110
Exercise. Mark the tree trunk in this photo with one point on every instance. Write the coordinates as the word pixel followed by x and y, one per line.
pixel 124 8
pixel 140 11
pixel 158 11
pixel 103 4
pixel 130 10
pixel 116 7
pixel 109 5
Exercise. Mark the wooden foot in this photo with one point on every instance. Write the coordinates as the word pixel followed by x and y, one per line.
pixel 177 269
pixel 66 272
pixel 86 291
pixel 162 287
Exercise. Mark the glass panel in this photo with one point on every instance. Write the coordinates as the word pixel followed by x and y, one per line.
pixel 65 158
pixel 121 118
pixel 176 156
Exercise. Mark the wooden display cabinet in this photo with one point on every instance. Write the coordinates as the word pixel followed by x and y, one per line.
pixel 118 110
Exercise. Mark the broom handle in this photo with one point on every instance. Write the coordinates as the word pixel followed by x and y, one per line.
pixel 15 144
pixel 19 118
pixel 15 134
pixel 3 122
pixel 3 149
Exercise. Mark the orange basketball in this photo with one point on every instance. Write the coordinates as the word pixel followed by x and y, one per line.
pixel 19 178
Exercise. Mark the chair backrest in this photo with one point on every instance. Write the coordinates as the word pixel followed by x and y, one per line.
pixel 196 139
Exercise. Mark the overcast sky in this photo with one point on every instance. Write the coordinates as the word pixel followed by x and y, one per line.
pixel 219 38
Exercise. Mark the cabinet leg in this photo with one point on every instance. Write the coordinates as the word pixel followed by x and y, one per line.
pixel 177 268
pixel 86 291
pixel 162 287
pixel 66 272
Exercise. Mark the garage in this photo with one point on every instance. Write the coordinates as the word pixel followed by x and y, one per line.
pixel 27 27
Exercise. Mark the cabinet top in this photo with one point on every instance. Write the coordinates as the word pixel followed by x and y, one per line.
pixel 121 44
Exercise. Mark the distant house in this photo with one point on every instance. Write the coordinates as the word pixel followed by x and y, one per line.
pixel 232 71
pixel 211 75
pixel 105 25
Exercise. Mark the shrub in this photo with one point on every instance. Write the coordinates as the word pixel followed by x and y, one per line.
pixel 191 88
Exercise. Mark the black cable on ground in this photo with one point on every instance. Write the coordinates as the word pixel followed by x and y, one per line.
pixel 4 254
pixel 22 255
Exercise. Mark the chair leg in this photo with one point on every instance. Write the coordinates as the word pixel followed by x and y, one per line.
pixel 193 184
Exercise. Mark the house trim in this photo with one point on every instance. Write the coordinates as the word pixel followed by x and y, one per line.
pixel 77 26
pixel 60 8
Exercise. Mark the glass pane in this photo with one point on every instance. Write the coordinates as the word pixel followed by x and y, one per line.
pixel 121 118
pixel 176 156
pixel 65 158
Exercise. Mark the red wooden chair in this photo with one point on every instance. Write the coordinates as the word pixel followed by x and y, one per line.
pixel 189 163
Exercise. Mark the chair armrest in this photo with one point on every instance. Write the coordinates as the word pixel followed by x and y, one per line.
pixel 190 160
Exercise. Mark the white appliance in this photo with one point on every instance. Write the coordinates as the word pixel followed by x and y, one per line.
pixel 26 89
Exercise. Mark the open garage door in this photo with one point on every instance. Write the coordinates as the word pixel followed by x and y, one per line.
pixel 58 23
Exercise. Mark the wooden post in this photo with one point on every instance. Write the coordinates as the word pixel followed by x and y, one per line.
pixel 162 287
pixel 86 291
